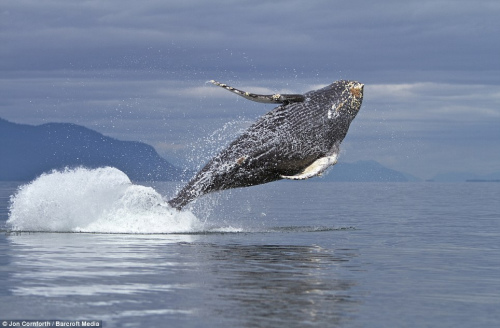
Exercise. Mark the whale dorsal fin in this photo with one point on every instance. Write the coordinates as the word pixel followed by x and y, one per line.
pixel 267 99
pixel 315 169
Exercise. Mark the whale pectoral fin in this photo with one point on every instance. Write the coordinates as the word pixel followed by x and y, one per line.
pixel 267 99
pixel 315 169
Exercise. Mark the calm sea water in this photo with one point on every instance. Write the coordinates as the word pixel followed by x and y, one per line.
pixel 287 254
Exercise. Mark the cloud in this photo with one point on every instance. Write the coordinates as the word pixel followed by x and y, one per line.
pixel 259 37
pixel 453 102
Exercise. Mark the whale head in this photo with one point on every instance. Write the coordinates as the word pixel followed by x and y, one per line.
pixel 341 99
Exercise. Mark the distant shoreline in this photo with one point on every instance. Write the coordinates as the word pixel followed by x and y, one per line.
pixel 481 180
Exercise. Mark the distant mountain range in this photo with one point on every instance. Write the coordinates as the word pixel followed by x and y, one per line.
pixel 26 151
pixel 365 171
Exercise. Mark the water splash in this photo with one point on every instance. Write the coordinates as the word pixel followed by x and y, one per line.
pixel 104 200
pixel 94 200
pixel 207 147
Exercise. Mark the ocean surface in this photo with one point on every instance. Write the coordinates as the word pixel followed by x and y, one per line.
pixel 91 245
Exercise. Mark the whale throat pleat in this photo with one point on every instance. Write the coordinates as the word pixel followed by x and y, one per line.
pixel 316 168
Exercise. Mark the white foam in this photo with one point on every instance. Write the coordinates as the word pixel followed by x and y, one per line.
pixel 94 200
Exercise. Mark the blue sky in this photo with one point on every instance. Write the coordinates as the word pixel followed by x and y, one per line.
pixel 137 70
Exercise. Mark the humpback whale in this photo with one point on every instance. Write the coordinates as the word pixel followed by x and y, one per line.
pixel 297 140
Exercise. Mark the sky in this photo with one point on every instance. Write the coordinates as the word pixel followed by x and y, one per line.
pixel 138 70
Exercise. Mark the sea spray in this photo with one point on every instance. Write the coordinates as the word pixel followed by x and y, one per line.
pixel 94 200
pixel 203 149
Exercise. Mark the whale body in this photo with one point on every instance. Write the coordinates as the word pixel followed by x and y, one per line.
pixel 297 140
